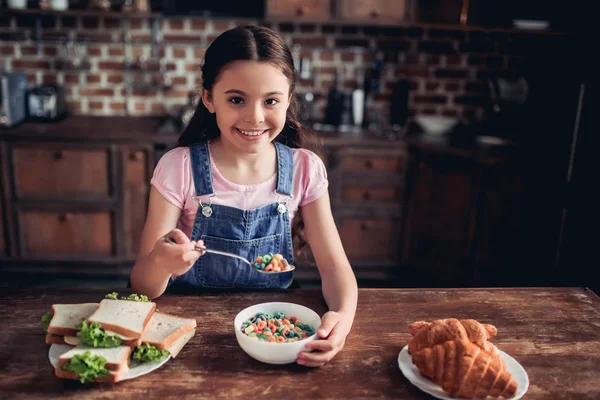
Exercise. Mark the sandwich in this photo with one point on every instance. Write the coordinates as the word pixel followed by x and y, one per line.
pixel 111 334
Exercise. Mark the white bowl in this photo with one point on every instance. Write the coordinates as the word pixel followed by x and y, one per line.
pixel 435 124
pixel 269 352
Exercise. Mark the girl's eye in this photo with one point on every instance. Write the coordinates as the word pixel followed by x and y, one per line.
pixel 271 102
pixel 236 100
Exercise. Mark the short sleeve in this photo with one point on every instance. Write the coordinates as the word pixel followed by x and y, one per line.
pixel 171 176
pixel 314 180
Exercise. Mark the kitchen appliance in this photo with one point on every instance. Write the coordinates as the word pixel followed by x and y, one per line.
pixel 47 103
pixel 13 93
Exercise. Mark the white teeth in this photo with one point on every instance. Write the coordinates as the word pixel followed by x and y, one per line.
pixel 251 133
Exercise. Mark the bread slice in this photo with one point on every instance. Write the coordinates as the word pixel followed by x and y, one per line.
pixel 54 339
pixel 125 317
pixel 165 329
pixel 178 344
pixel 68 316
pixel 117 358
pixel 112 377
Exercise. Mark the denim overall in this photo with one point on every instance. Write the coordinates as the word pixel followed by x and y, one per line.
pixel 249 233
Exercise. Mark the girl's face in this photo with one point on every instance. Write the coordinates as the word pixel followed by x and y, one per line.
pixel 250 99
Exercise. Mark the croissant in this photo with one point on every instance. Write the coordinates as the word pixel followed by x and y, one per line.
pixel 464 370
pixel 428 334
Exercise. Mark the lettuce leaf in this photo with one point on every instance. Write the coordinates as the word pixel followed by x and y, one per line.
pixel 86 366
pixel 93 335
pixel 133 297
pixel 46 318
pixel 148 353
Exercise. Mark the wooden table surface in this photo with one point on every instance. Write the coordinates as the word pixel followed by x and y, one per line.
pixel 554 333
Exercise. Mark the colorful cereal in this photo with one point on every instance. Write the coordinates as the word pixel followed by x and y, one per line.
pixel 276 328
pixel 271 263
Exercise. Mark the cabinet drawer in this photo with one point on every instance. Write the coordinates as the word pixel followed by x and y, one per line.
pixel 373 10
pixel 376 193
pixel 374 239
pixel 299 8
pixel 82 233
pixel 355 160
pixel 58 172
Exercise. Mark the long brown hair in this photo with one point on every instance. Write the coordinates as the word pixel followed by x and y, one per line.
pixel 251 43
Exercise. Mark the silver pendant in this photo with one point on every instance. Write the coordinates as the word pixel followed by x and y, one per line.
pixel 281 208
pixel 207 211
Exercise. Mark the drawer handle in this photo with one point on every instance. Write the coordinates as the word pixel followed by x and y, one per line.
pixel 368 164
pixel 300 11
pixel 65 217
pixel 136 156
pixel 59 155
pixel 366 196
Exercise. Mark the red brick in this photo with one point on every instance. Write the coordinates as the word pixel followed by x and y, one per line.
pixel 175 24
pixel 314 42
pixel 139 106
pixel 176 94
pixel 182 38
pixel 157 108
pixel 198 24
pixel 452 87
pixel 22 64
pixel 199 53
pixel 90 22
pixel 116 52
pixel 326 56
pixel 74 106
pixel 192 68
pixel 179 80
pixel 430 86
pixel 71 77
pixel 221 25
pixel 50 50
pixel 110 65
pixel 95 51
pixel 96 105
pixel 179 53
pixel 451 73
pixel 348 57
pixel 114 79
pixel 95 37
pixel 27 50
pixel 7 50
pixel 117 106
pixel 49 78
pixel 96 92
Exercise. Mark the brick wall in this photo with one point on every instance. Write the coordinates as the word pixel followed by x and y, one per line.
pixel 447 68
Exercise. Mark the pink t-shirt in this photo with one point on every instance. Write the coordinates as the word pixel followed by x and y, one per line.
pixel 173 179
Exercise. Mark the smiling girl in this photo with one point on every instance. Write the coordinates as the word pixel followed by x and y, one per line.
pixel 240 181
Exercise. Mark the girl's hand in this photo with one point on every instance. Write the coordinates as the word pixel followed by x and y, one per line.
pixel 177 258
pixel 332 339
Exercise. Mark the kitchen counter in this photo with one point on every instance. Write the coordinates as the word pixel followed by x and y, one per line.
pixel 151 129
pixel 554 333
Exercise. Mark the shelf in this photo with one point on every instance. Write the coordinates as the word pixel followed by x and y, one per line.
pixel 80 13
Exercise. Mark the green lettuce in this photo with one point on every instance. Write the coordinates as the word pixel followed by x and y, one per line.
pixel 46 318
pixel 87 366
pixel 148 353
pixel 93 335
pixel 132 297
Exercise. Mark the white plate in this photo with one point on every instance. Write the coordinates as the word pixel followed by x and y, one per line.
pixel 411 373
pixel 135 369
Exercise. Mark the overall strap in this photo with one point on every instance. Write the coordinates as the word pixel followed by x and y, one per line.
pixel 285 169
pixel 201 170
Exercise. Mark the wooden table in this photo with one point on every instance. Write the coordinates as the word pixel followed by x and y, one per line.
pixel 554 333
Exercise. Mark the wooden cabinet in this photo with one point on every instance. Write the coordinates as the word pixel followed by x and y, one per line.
pixel 372 10
pixel 3 190
pixel 79 205
pixel 299 9
pixel 56 171
pixel 138 165
pixel 52 234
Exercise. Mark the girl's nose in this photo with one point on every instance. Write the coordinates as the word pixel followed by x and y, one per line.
pixel 255 115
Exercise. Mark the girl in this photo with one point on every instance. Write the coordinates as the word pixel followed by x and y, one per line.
pixel 235 182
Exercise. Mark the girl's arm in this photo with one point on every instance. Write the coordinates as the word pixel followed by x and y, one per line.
pixel 338 281
pixel 152 270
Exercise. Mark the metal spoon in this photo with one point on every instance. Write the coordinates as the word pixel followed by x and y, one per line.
pixel 224 253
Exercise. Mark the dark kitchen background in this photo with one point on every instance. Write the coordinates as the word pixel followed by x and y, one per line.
pixel 457 133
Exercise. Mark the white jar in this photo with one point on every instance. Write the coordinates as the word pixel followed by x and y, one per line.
pixel 59 5
pixel 21 4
